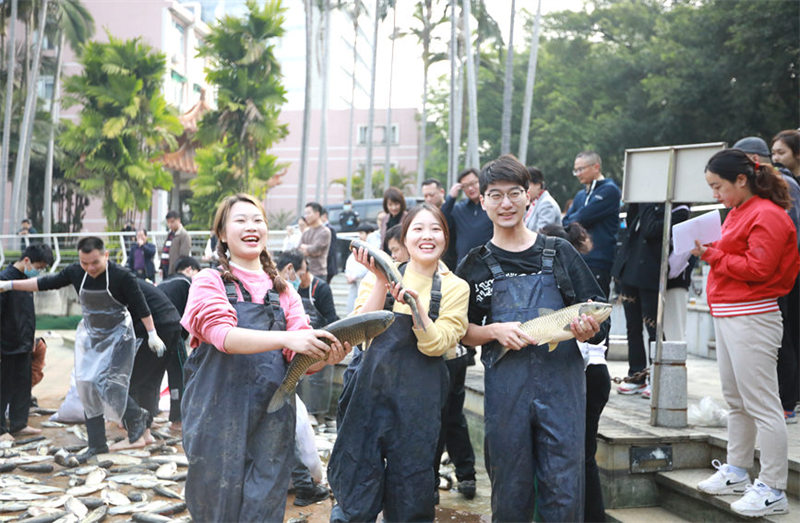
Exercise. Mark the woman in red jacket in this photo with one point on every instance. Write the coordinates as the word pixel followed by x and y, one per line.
pixel 752 264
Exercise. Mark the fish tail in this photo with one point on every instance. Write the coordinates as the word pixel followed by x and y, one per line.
pixel 279 399
pixel 503 351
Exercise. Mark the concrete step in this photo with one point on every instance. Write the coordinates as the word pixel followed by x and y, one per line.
pixel 639 514
pixel 677 492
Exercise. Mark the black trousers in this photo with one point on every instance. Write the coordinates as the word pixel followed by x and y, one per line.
pixel 641 306
pixel 15 390
pixel 148 370
pixel 788 357
pixel 598 386
pixel 454 433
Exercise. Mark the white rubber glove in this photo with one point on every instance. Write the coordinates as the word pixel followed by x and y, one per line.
pixel 6 285
pixel 155 343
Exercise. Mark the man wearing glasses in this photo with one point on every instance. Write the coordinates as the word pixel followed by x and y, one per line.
pixel 467 220
pixel 534 400
pixel 596 208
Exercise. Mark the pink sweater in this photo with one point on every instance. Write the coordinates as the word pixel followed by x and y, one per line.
pixel 209 315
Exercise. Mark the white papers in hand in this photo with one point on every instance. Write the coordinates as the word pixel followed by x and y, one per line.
pixel 705 228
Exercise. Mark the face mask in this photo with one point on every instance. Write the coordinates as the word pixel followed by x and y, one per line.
pixel 31 273
pixel 346 207
pixel 295 283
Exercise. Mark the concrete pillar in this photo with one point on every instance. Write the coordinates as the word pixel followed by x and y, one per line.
pixel 672 400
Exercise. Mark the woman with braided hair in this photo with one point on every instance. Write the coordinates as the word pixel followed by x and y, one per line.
pixel 246 325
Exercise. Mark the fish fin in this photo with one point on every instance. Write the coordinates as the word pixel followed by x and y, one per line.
pixel 367 343
pixel 544 311
pixel 279 399
pixel 412 304
pixel 553 345
pixel 503 351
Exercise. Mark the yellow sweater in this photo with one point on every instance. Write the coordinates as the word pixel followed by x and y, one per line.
pixel 451 325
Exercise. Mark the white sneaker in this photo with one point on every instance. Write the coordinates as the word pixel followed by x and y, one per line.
pixel 647 392
pixel 631 388
pixel 759 500
pixel 724 481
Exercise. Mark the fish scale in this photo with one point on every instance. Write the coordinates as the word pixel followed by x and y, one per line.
pixel 354 330
pixel 386 265
pixel 553 327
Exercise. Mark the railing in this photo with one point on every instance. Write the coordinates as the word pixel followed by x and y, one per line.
pixel 117 243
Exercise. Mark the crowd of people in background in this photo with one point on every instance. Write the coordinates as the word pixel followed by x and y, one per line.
pixel 480 257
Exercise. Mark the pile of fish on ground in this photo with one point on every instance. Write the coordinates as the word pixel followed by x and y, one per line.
pixel 42 483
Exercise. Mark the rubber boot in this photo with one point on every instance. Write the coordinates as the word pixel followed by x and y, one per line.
pixel 96 431
pixel 136 420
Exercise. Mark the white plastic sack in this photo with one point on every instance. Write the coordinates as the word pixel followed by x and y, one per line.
pixel 707 413
pixel 71 409
pixel 304 435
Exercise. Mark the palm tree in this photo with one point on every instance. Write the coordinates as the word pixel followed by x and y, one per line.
pixel 301 181
pixel 75 26
pixel 388 135
pixel 371 115
pixel 19 195
pixel 7 108
pixel 508 86
pixel 472 159
pixel 529 85
pixel 424 13
pixel 322 163
pixel 355 14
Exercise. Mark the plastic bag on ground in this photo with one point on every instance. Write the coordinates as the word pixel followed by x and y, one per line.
pixel 707 413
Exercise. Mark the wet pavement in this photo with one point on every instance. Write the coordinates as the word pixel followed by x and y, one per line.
pixel 120 495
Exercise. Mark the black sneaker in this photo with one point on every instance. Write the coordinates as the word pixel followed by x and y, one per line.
pixel 138 425
pixel 308 495
pixel 467 488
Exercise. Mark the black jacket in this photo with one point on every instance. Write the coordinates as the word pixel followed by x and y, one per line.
pixel 165 315
pixel 17 316
pixel 638 259
pixel 149 251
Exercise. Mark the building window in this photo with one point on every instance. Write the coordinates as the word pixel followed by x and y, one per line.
pixel 181 39
pixel 45 88
pixel 178 83
pixel 378 135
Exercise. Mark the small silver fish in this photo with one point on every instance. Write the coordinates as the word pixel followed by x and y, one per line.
pixel 53 425
pixel 167 470
pixel 97 515
pixel 180 459
pixel 119 459
pixel 83 490
pixel 76 507
pixel 96 476
pixel 133 508
pixel 167 493
pixel 114 497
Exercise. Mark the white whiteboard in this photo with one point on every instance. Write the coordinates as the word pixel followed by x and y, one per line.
pixel 646 172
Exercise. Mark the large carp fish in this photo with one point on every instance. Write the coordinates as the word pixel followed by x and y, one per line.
pixel 358 329
pixel 553 327
pixel 385 264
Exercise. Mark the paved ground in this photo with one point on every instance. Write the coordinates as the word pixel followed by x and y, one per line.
pixel 630 410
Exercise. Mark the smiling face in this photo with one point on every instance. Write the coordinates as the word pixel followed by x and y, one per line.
pixel 245 232
pixel 730 194
pixel 471 187
pixel 93 262
pixel 505 203
pixel 425 238
pixel 394 207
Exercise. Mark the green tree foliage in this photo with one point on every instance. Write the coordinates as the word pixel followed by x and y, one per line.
pixel 636 73
pixel 124 125
pixel 237 135
pixel 400 178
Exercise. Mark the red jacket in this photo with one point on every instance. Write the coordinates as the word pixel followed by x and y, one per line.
pixel 755 262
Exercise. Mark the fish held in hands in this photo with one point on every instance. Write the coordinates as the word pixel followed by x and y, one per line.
pixel 385 264
pixel 553 327
pixel 355 330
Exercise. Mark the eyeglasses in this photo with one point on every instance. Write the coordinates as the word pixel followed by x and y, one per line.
pixel 515 195
pixel 576 172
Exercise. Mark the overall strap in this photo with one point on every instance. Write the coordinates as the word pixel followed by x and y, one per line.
pixel 388 303
pixel 436 296
pixel 548 254
pixel 491 262
pixel 230 291
pixel 273 298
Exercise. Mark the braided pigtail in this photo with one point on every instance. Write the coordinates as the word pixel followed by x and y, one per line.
pixel 272 270
pixel 224 265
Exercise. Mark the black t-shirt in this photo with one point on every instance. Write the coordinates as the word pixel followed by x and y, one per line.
pixel 176 287
pixel 121 284
pixel 569 265
pixel 17 316
pixel 165 315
